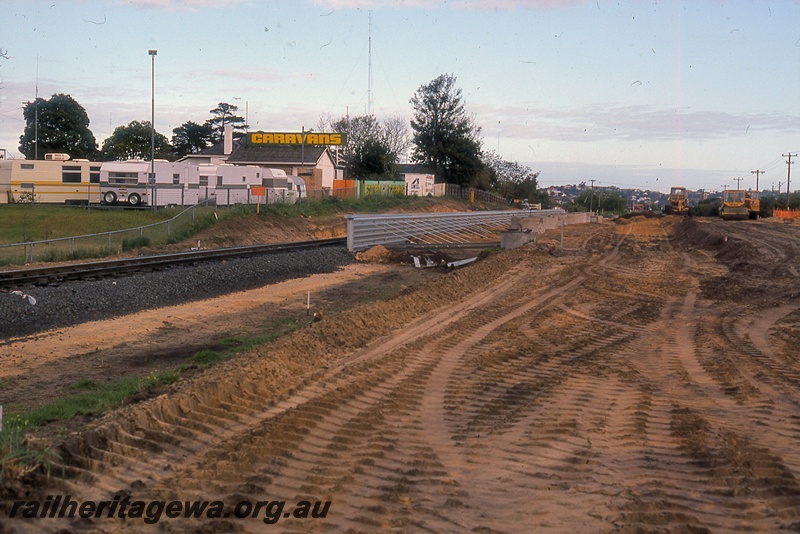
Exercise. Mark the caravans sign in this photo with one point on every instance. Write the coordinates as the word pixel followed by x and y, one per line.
pixel 307 138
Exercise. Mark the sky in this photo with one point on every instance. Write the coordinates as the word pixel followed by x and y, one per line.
pixel 633 94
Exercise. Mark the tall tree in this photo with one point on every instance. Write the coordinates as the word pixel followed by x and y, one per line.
pixel 372 160
pixel 56 125
pixel 359 130
pixel 190 137
pixel 225 115
pixel 512 179
pixel 132 141
pixel 446 138
pixel 396 136
pixel 390 138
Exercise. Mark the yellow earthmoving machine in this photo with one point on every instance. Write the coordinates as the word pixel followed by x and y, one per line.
pixel 678 201
pixel 753 203
pixel 733 206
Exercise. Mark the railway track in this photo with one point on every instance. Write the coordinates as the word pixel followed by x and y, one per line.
pixel 118 267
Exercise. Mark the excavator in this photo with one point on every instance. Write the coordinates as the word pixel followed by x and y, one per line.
pixel 739 205
pixel 678 201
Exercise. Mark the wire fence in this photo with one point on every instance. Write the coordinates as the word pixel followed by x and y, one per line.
pixel 468 193
pixel 106 243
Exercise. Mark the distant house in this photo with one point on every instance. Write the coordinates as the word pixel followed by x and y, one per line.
pixel 419 180
pixel 556 196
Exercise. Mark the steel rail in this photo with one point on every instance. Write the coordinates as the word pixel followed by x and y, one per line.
pixel 75 271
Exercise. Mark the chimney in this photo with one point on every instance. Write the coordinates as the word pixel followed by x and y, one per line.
pixel 227 139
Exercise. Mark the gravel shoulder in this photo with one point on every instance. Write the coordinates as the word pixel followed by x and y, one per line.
pixel 81 301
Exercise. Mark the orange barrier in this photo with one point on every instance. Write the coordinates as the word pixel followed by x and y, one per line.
pixel 344 188
pixel 786 214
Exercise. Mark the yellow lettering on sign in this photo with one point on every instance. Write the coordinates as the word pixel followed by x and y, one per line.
pixel 274 138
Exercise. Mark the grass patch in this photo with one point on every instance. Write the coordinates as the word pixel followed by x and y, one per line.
pixel 135 242
pixel 90 398
pixel 85 383
pixel 230 346
pixel 35 222
pixel 16 456
pixel 77 254
pixel 188 230
pixel 208 357
pixel 335 205
pixel 93 399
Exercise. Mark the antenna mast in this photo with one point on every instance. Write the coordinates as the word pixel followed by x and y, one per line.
pixel 369 78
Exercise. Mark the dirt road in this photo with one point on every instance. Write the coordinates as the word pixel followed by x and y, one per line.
pixel 645 378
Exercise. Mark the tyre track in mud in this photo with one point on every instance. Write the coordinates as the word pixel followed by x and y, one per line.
pixel 731 474
pixel 601 390
pixel 360 388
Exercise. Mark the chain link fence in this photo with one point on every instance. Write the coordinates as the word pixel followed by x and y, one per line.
pixel 108 243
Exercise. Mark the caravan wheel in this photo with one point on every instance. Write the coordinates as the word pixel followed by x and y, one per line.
pixel 110 197
pixel 134 199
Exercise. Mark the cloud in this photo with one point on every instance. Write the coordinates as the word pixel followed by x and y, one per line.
pixel 629 123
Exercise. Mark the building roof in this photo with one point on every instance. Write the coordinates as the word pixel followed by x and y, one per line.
pixel 276 155
pixel 216 149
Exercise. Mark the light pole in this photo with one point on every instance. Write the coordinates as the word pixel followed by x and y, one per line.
pixel 152 177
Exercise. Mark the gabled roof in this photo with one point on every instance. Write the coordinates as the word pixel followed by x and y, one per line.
pixel 218 149
pixel 274 155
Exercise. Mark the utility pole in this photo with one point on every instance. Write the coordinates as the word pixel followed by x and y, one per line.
pixel 738 180
pixel 152 177
pixel 756 172
pixel 788 174
pixel 591 198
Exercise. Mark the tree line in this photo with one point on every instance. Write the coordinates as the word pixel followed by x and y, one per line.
pixel 444 138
